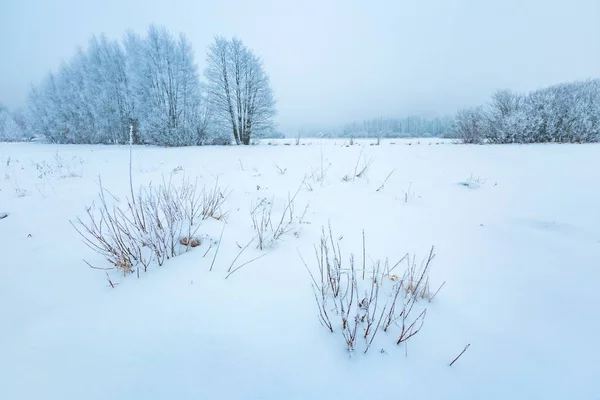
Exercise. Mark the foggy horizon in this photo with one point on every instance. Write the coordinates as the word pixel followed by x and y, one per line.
pixel 335 63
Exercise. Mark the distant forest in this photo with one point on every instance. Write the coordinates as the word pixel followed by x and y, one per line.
pixel 412 126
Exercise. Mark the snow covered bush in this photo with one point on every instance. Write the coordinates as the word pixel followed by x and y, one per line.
pixel 360 301
pixel 10 131
pixel 468 125
pixel 568 112
pixel 156 224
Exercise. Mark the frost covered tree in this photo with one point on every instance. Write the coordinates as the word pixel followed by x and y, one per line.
pixel 170 102
pixel 568 112
pixel 10 130
pixel 469 125
pixel 110 92
pixel 239 90
pixel 152 84
pixel 500 117
pixel 87 100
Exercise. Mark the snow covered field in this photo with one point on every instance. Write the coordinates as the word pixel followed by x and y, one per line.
pixel 516 231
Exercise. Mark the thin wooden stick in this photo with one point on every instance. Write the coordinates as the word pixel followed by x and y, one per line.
pixel 240 253
pixel 207 250
pixel 364 260
pixel 386 179
pixel 461 353
pixel 91 266
pixel 247 262
pixel 437 291
pixel 217 250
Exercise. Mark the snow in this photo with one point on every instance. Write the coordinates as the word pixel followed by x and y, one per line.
pixel 518 248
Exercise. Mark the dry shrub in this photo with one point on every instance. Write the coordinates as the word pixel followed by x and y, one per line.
pixel 359 301
pixel 156 224
pixel 268 230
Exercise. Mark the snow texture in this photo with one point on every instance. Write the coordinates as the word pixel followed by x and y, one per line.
pixel 519 256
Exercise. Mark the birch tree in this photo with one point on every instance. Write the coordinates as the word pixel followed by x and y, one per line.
pixel 167 88
pixel 239 90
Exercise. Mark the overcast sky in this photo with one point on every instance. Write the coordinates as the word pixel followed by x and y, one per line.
pixel 334 61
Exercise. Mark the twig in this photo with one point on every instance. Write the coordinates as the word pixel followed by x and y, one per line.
pixel 112 285
pixel 436 292
pixel 91 266
pixel 240 253
pixel 241 165
pixel 217 250
pixel 307 269
pixel 461 353
pixel 376 328
pixel 321 304
pixel 246 263
pixel 131 162
pixel 365 168
pixel 281 228
pixel 364 260
pixel 356 166
pixel 207 250
pixel 386 179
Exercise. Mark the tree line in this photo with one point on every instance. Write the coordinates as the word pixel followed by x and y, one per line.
pixel 411 126
pixel 148 89
pixel 568 112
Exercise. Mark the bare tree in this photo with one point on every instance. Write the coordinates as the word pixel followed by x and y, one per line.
pixel 239 90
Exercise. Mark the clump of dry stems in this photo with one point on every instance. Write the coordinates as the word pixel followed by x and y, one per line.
pixel 155 224
pixel 361 300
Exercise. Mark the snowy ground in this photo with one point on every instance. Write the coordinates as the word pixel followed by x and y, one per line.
pixel 516 231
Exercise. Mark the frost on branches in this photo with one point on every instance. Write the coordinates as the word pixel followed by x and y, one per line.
pixel 150 83
pixel 566 113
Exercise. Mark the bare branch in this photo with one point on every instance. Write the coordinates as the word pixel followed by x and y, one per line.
pixel 461 353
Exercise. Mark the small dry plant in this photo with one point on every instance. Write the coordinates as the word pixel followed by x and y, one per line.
pixel 385 181
pixel 408 194
pixel 60 167
pixel 360 171
pixel 154 225
pixel 212 202
pixel 473 182
pixel 268 230
pixel 317 175
pixel 361 301
pixel 477 179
